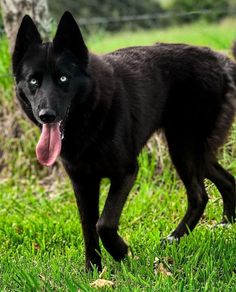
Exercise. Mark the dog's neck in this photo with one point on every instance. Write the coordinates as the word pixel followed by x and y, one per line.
pixel 102 85
pixel 99 100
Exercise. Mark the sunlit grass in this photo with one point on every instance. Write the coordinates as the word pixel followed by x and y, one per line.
pixel 219 37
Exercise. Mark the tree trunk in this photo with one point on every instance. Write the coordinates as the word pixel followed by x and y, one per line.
pixel 10 114
pixel 13 12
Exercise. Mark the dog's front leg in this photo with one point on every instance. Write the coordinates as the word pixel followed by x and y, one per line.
pixel 107 226
pixel 86 190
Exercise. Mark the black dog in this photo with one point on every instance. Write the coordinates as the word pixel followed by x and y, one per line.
pixel 97 113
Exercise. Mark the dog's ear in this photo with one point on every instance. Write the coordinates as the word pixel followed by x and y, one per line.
pixel 26 36
pixel 69 37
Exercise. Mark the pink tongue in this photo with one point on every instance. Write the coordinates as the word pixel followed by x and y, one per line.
pixel 49 145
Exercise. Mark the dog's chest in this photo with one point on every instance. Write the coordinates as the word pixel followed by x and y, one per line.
pixel 100 158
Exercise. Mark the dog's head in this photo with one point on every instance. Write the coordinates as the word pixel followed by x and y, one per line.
pixel 48 77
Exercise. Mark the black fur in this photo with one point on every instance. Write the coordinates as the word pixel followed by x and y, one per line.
pixel 113 104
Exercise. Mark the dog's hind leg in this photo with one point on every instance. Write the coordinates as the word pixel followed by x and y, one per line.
pixel 107 225
pixel 225 183
pixel 189 162
pixel 86 189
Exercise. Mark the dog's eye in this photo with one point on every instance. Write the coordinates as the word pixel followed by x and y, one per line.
pixel 34 81
pixel 63 79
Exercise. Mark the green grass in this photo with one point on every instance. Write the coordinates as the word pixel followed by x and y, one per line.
pixel 41 242
pixel 219 37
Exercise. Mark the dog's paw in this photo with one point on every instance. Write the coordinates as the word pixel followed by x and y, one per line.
pixel 90 268
pixel 121 250
pixel 170 239
pixel 93 264
pixel 223 224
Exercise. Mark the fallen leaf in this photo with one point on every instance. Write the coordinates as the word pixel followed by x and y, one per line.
pixel 164 271
pixel 102 283
pixel 160 269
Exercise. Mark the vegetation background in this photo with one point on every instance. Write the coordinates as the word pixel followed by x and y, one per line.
pixel 41 242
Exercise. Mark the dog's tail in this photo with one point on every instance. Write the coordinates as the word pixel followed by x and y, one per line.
pixel 227 113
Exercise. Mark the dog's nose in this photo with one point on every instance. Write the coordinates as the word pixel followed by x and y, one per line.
pixel 47 115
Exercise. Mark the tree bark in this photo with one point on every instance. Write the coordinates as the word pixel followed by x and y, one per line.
pixel 14 10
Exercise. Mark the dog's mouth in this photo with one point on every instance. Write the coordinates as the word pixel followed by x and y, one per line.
pixel 49 144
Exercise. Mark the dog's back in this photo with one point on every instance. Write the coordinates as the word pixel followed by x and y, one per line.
pixel 174 85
